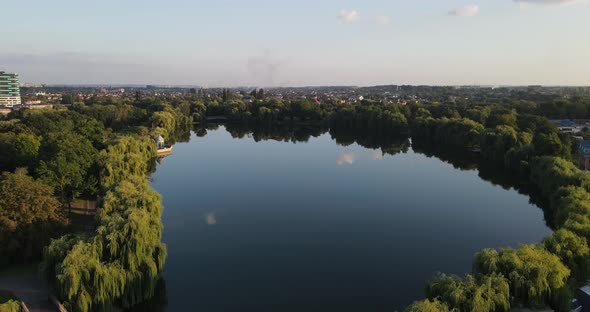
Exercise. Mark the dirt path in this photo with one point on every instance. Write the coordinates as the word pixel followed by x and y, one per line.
pixel 29 288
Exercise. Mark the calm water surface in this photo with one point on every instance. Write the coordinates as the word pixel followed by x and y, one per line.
pixel 276 226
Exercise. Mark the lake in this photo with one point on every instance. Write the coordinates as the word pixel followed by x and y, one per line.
pixel 318 226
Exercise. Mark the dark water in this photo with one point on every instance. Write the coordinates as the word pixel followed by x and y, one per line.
pixel 276 226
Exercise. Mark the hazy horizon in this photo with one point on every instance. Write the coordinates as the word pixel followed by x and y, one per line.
pixel 165 85
pixel 266 43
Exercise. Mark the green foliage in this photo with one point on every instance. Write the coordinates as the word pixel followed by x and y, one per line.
pixel 198 110
pixel 87 283
pixel 386 119
pixel 567 201
pixel 534 274
pixel 502 117
pixel 549 144
pixel 125 156
pixel 29 217
pixel 122 263
pixel 10 306
pixel 428 306
pixel 579 224
pixel 164 120
pixel 54 254
pixel 9 302
pixel 530 123
pixel 463 133
pixel 114 116
pixel 482 293
pixel 68 163
pixel 496 142
pixel 479 115
pixel 550 173
pixel 517 160
pixel 26 149
pixel 18 145
pixel 65 123
pixel 571 249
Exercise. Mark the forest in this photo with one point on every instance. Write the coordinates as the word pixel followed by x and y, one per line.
pixel 102 149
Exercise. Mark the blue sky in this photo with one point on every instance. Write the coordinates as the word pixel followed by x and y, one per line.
pixel 304 42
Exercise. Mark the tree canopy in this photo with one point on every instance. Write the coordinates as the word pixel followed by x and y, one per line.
pixel 29 217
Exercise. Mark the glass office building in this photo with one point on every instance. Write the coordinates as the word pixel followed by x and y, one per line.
pixel 9 89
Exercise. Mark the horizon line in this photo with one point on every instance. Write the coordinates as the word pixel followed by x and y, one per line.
pixel 294 86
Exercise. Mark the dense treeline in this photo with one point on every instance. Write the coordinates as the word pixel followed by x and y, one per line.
pixel 545 274
pixel 121 264
pixel 386 119
pixel 29 216
pixel 103 151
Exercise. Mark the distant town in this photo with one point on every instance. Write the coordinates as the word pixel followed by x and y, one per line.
pixel 15 96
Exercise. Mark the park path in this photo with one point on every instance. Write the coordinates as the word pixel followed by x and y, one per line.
pixel 30 289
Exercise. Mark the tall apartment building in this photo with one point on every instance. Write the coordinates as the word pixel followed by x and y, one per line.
pixel 9 89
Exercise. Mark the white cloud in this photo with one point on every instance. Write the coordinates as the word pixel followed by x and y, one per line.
pixel 349 16
pixel 466 11
pixel 383 20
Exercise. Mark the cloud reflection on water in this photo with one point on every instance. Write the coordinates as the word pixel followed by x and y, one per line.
pixel 349 158
pixel 346 159
pixel 377 154
pixel 210 218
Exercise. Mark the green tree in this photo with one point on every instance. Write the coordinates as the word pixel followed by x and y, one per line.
pixel 29 217
pixel 569 200
pixel 550 173
pixel 572 250
pixel 164 120
pixel 479 294
pixel 122 263
pixel 10 306
pixel 428 306
pixel 26 149
pixel 502 117
pixel 496 142
pixel 549 144
pixel 68 164
pixel 534 274
pixel 126 155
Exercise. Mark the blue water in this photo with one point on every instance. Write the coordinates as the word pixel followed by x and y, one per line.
pixel 277 226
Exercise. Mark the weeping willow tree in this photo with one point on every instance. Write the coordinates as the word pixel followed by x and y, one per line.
pixel 126 156
pixel 428 306
pixel 88 283
pixel 130 233
pixel 482 293
pixel 536 276
pixel 131 193
pixel 54 254
pixel 121 263
pixel 10 306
